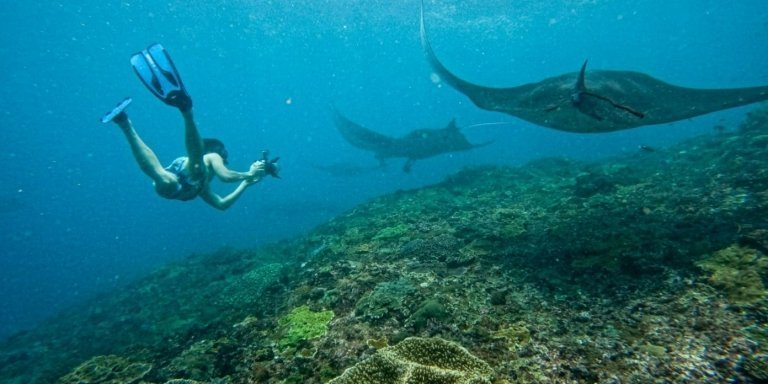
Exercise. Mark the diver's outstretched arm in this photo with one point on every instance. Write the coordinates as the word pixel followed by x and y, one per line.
pixel 227 175
pixel 225 202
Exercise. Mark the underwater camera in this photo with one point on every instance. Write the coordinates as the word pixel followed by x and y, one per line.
pixel 271 166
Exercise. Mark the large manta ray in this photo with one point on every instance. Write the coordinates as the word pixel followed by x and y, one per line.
pixel 418 144
pixel 596 101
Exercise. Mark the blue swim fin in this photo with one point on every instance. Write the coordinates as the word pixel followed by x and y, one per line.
pixel 117 113
pixel 157 71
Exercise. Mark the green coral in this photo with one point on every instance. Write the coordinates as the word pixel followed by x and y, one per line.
pixel 756 333
pixel 517 335
pixel 385 298
pixel 512 222
pixel 197 362
pixel 429 309
pixel 109 369
pixel 394 232
pixel 756 367
pixel 303 324
pixel 738 272
pixel 249 288
pixel 653 350
pixel 417 360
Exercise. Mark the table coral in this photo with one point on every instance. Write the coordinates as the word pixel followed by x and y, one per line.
pixel 418 360
pixel 109 369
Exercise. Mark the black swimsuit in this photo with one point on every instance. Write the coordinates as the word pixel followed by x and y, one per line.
pixel 187 187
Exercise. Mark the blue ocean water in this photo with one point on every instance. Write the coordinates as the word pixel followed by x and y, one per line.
pixel 79 218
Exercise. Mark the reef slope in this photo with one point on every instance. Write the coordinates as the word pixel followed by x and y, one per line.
pixel 644 268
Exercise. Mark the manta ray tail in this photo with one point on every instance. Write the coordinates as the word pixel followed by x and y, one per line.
pixel 443 72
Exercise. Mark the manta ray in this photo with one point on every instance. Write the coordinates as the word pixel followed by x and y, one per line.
pixel 416 145
pixel 596 101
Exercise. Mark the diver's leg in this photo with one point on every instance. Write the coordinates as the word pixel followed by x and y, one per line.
pixel 165 182
pixel 194 144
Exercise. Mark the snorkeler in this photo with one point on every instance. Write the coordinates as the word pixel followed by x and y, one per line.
pixel 189 176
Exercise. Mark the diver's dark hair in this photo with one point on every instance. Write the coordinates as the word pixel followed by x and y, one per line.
pixel 211 145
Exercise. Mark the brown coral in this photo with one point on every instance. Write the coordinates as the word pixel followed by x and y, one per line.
pixel 737 271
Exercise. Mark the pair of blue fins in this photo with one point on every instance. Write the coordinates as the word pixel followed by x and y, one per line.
pixel 158 73
pixel 156 70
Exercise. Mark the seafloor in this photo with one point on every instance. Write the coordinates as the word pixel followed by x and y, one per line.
pixel 649 268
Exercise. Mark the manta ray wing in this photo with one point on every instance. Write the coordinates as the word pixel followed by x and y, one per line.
pixel 596 101
pixel 364 138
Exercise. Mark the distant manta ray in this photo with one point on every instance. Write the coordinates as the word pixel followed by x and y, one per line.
pixel 416 145
pixel 598 101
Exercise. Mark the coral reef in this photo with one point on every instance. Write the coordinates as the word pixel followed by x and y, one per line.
pixel 650 267
pixel 419 361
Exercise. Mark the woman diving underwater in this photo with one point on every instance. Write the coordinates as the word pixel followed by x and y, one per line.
pixel 188 176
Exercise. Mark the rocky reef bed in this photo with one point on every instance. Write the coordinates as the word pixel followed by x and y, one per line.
pixel 640 269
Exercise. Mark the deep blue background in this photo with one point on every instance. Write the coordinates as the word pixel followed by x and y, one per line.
pixel 78 217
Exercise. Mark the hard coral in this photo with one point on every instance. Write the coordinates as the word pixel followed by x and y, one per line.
pixel 250 287
pixel 196 362
pixel 418 360
pixel 392 232
pixel 517 335
pixel 429 309
pixel 109 369
pixel 738 271
pixel 756 367
pixel 386 298
pixel 303 324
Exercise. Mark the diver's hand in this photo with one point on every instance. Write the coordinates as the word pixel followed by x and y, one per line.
pixel 257 171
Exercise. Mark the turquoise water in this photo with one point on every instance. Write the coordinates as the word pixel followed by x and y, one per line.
pixel 78 217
